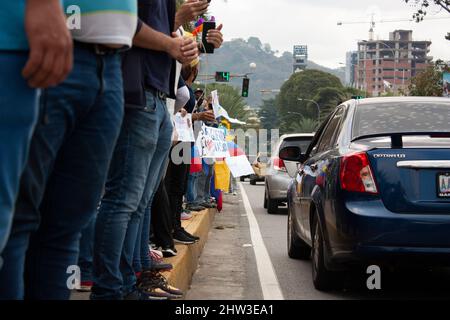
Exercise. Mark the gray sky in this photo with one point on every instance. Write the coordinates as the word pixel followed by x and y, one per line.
pixel 283 23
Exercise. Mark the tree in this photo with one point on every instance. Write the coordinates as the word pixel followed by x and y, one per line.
pixel 429 82
pixel 328 99
pixel 231 99
pixel 305 125
pixel 423 5
pixel 306 85
pixel 268 114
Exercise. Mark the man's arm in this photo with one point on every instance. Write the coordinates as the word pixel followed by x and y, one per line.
pixel 183 50
pixel 51 46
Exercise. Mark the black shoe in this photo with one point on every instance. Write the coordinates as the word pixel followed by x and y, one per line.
pixel 150 285
pixel 161 282
pixel 189 235
pixel 168 252
pixel 196 208
pixel 139 295
pixel 208 205
pixel 159 267
pixel 180 237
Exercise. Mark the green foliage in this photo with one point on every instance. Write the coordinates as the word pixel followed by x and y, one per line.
pixel 230 98
pixel 328 98
pixel 309 84
pixel 272 68
pixel 268 114
pixel 304 125
pixel 423 5
pixel 429 82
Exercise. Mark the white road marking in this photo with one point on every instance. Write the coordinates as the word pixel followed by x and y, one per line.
pixel 267 277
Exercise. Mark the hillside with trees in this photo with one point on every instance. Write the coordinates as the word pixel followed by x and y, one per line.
pixel 272 68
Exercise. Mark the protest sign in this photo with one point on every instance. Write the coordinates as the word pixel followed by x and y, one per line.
pixel 239 166
pixel 211 143
pixel 183 128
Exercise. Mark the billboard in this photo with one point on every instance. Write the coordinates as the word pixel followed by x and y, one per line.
pixel 446 82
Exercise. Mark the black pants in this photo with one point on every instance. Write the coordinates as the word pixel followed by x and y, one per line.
pixel 162 225
pixel 176 186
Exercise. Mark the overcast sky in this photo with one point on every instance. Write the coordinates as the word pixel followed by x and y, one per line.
pixel 283 23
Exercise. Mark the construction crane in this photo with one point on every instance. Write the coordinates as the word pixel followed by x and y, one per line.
pixel 373 23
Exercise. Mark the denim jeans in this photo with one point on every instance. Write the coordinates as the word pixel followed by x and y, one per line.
pixel 143 145
pixel 69 159
pixel 86 256
pixel 18 115
pixel 203 185
pixel 191 192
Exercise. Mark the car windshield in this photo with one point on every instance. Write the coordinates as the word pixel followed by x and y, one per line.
pixel 302 143
pixel 401 117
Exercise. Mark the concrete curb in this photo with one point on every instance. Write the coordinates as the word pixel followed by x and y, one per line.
pixel 186 262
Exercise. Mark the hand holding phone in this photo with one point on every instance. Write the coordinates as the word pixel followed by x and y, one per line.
pixel 208 47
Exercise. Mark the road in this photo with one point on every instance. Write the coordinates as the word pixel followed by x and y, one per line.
pixel 228 262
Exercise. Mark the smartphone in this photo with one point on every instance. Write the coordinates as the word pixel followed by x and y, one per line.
pixel 207 47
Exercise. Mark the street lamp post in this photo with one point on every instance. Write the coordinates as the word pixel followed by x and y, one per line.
pixel 317 105
pixel 395 63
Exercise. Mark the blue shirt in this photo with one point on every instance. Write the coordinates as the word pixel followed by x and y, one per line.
pixel 160 15
pixel 12 29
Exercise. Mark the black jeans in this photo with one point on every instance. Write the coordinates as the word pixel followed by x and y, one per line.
pixel 176 186
pixel 162 225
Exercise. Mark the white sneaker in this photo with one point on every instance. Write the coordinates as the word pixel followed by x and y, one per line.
pixel 186 216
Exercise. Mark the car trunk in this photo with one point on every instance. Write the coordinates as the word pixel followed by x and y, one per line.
pixel 413 180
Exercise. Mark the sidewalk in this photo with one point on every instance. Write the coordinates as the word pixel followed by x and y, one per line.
pixel 186 262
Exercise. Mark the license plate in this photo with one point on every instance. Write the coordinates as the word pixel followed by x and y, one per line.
pixel 444 185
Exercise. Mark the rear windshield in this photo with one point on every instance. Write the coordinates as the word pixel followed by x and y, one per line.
pixel 303 143
pixel 401 117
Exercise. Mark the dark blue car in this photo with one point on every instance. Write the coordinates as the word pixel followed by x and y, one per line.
pixel 373 187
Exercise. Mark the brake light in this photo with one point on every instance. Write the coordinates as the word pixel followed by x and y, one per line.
pixel 356 174
pixel 278 164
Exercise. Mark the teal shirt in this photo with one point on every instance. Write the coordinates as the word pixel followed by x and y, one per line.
pixel 12 27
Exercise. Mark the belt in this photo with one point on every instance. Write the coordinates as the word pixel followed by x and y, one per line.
pixel 99 49
pixel 156 92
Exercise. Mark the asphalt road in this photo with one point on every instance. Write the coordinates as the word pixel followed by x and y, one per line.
pixel 295 279
pixel 229 266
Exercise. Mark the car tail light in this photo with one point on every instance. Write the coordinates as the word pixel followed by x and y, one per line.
pixel 278 164
pixel 356 174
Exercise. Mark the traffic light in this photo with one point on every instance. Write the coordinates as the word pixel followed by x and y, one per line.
pixel 245 87
pixel 222 76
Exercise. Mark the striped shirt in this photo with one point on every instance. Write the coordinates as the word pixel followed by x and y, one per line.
pixel 107 22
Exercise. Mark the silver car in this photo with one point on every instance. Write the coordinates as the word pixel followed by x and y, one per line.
pixel 277 178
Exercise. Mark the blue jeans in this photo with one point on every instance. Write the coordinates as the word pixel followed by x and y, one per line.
pixel 143 145
pixel 18 115
pixel 86 256
pixel 203 186
pixel 191 193
pixel 141 257
pixel 69 159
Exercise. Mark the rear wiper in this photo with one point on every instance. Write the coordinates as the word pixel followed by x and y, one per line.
pixel 397 137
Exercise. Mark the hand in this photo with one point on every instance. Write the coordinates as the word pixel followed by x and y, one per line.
pixel 183 112
pixel 51 46
pixel 183 49
pixel 189 11
pixel 215 37
pixel 207 116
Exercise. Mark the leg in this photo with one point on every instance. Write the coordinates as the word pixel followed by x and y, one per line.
pixel 162 141
pixel 162 218
pixel 18 115
pixel 86 256
pixel 58 107
pixel 75 186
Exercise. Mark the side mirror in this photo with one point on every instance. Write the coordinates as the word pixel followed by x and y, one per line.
pixel 292 154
